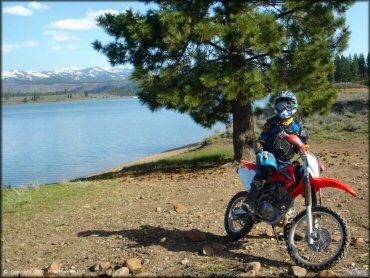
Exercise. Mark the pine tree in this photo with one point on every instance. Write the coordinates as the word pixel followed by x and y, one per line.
pixel 212 59
pixel 362 66
pixel 355 69
pixel 345 68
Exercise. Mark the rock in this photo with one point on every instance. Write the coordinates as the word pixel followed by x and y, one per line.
pixel 226 165
pixel 218 248
pixel 185 261
pixel 104 265
pixel 297 271
pixel 95 267
pixel 158 209
pixel 134 265
pixel 109 272
pixel 7 260
pixel 253 267
pixel 121 272
pixel 53 268
pixel 180 208
pixel 358 242
pixel 340 205
pixel 326 273
pixel 195 235
pixel 208 251
pixel 250 273
pixel 268 233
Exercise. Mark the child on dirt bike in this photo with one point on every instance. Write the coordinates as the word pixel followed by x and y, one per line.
pixel 274 152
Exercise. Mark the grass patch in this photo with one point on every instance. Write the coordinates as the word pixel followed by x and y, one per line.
pixel 30 200
pixel 216 268
pixel 206 156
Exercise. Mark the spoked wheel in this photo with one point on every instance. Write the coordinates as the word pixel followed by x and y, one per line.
pixel 237 221
pixel 331 239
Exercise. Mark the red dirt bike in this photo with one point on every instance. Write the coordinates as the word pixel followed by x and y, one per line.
pixel 316 238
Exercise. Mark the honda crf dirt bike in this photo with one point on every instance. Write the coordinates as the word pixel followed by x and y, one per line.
pixel 316 238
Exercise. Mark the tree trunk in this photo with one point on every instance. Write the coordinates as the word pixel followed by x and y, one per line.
pixel 243 131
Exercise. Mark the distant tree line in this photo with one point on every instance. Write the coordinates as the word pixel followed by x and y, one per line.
pixel 354 69
pixel 32 94
pixel 124 91
pixel 35 96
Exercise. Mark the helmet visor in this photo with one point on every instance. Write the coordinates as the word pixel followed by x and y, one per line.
pixel 284 105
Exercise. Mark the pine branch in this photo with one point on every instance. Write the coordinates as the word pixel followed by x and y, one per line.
pixel 219 47
pixel 256 57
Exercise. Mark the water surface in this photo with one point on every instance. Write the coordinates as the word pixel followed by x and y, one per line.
pixel 52 142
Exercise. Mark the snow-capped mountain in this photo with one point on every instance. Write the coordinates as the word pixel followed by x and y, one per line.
pixel 67 75
pixel 94 79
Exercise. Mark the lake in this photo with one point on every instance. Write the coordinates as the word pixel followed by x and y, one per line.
pixel 52 142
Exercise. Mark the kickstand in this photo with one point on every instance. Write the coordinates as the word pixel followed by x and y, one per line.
pixel 276 237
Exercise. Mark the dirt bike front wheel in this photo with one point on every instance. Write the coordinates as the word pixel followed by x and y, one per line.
pixel 237 221
pixel 331 239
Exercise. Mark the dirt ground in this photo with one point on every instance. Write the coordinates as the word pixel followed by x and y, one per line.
pixel 136 219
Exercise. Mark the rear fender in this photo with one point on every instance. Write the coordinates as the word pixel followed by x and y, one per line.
pixel 247 173
pixel 319 183
pixel 249 165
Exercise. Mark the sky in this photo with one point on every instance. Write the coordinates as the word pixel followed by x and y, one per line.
pixel 50 35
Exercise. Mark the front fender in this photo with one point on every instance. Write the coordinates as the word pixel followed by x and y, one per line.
pixel 318 183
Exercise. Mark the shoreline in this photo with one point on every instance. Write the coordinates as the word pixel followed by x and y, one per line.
pixel 102 97
pixel 147 159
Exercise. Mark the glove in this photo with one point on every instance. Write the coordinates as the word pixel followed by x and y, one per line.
pixel 258 147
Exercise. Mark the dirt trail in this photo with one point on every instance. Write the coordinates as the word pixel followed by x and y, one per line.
pixel 135 218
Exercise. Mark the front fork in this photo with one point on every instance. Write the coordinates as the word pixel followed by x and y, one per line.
pixel 310 200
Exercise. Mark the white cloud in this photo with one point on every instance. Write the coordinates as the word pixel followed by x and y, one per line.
pixel 37 6
pixel 86 23
pixel 56 47
pixel 73 24
pixel 71 47
pixel 31 43
pixel 7 47
pixel 18 10
pixel 91 15
pixel 60 36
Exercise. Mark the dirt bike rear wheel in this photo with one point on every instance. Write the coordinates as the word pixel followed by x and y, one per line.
pixel 332 236
pixel 237 221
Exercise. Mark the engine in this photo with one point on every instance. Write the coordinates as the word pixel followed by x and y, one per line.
pixel 273 202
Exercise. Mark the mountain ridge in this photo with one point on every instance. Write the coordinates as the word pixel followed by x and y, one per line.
pixel 71 79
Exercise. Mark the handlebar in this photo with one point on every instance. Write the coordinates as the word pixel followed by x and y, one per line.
pixel 294 140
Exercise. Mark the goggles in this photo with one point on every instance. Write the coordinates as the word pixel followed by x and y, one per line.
pixel 284 105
